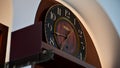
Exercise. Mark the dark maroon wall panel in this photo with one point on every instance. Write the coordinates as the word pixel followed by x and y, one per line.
pixel 26 42
pixel 3 43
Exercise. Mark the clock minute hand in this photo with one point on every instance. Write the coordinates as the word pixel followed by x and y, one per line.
pixel 66 28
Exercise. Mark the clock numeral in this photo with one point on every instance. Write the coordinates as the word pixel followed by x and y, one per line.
pixel 52 41
pixel 83 47
pixel 52 16
pixel 80 55
pixel 67 13
pixel 49 26
pixel 59 11
pixel 81 43
pixel 80 36
pixel 80 32
pixel 74 21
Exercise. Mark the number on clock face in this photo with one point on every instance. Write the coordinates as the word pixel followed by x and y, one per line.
pixel 63 31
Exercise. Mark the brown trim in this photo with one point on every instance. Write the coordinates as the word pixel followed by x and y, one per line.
pixel 3 42
pixel 91 53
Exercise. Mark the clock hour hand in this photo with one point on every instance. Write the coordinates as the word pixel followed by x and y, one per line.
pixel 59 34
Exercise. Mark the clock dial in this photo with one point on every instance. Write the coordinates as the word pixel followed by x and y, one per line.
pixel 63 31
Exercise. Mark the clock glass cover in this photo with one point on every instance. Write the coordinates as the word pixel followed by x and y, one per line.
pixel 63 31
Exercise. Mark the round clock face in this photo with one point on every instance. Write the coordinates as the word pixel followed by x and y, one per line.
pixel 63 31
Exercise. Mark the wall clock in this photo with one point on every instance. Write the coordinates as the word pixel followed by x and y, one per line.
pixel 63 30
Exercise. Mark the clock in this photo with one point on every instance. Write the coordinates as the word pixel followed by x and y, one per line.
pixel 63 31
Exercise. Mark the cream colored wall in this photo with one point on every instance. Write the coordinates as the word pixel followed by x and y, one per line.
pixel 6 19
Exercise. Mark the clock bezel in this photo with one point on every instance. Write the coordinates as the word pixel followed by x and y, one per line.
pixel 73 29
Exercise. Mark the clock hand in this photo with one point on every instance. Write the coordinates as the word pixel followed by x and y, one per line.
pixel 62 46
pixel 65 36
pixel 66 28
pixel 60 34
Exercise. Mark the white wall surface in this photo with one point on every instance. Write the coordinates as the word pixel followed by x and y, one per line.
pixel 24 13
